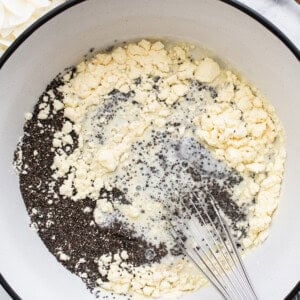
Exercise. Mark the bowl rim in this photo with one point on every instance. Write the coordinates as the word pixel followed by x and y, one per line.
pixel 68 4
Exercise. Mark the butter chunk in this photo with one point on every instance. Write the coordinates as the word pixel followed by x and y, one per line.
pixel 207 70
pixel 107 159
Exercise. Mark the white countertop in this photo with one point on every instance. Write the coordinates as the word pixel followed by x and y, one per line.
pixel 285 14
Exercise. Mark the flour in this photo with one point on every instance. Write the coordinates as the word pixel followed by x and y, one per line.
pixel 145 124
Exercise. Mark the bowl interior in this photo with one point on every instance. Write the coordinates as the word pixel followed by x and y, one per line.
pixel 238 39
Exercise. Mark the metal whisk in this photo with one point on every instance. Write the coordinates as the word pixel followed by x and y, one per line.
pixel 208 242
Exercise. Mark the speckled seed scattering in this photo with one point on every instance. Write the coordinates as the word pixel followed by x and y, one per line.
pixel 114 144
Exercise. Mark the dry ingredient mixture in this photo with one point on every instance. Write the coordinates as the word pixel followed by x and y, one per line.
pixel 112 144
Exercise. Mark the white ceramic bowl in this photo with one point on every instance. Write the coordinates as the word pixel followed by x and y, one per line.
pixel 60 39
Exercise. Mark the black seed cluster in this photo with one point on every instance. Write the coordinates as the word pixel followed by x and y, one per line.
pixel 63 224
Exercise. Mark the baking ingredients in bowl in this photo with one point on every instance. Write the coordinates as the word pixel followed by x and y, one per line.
pixel 112 144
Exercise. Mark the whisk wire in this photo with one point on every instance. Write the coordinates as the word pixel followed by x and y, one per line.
pixel 216 243
pixel 217 266
pixel 212 248
pixel 227 254
pixel 219 245
pixel 196 231
pixel 210 276
pixel 240 264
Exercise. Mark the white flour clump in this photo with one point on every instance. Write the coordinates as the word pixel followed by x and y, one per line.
pixel 242 129
pixel 154 281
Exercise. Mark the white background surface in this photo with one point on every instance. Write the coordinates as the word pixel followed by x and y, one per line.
pixel 3 295
pixel 285 14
